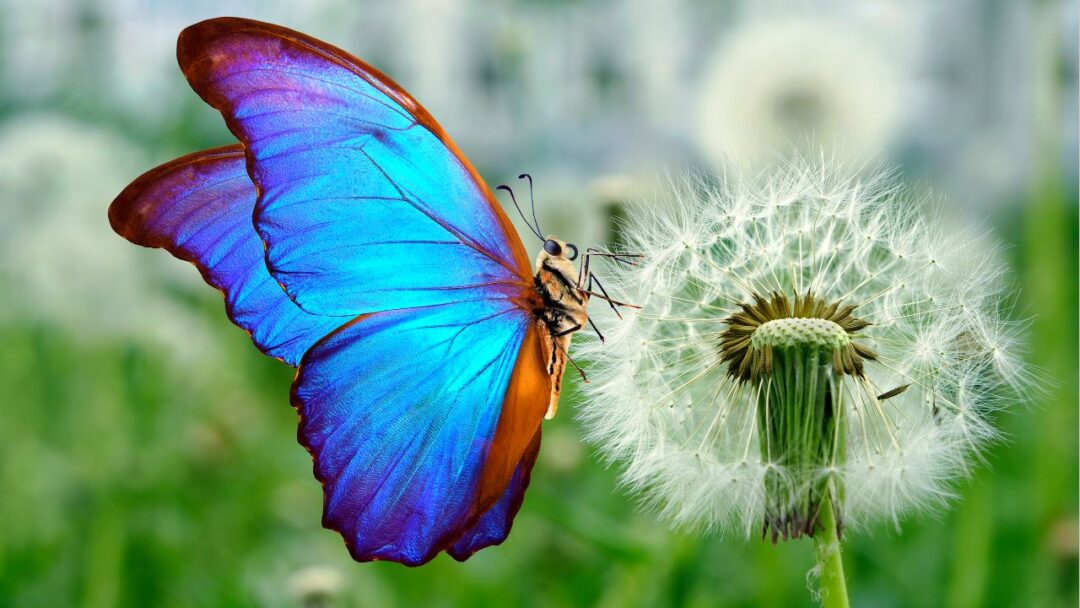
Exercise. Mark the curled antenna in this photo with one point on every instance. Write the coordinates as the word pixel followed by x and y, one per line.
pixel 535 231
pixel 532 200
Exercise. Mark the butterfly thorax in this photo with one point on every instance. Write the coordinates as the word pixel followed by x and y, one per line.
pixel 563 311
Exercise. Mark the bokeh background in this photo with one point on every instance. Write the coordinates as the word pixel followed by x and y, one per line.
pixel 148 453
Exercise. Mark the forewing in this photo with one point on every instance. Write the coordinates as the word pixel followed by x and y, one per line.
pixel 400 411
pixel 365 203
pixel 198 207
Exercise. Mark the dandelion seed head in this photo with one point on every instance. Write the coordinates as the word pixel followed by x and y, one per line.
pixel 796 83
pixel 920 330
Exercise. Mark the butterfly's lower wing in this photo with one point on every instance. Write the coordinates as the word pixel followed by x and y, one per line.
pixel 523 405
pixel 365 202
pixel 494 524
pixel 401 411
pixel 199 207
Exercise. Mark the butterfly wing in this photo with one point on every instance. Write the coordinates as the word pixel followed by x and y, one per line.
pixel 366 207
pixel 365 203
pixel 199 208
pixel 400 410
pixel 524 402
pixel 494 524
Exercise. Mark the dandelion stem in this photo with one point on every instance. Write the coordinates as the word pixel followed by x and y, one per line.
pixel 799 439
pixel 831 565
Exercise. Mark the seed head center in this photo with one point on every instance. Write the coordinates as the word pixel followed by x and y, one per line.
pixel 791 332
pixel 778 322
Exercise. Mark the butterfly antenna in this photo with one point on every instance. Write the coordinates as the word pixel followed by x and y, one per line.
pixel 532 200
pixel 520 212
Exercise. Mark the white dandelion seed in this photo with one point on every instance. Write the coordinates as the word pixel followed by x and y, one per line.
pixel 806 338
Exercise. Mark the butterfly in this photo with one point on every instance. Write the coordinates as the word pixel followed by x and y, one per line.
pixel 353 240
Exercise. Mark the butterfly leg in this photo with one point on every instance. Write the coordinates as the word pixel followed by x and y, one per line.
pixel 586 274
pixel 567 331
pixel 625 258
pixel 586 261
pixel 594 279
pixel 609 300
pixel 596 329
pixel 559 344
pixel 583 271
pixel 572 362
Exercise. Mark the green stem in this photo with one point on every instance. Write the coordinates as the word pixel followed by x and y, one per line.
pixel 827 545
pixel 798 431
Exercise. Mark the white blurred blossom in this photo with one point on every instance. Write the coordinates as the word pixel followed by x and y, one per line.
pixel 930 313
pixel 796 84
pixel 316 585
pixel 60 262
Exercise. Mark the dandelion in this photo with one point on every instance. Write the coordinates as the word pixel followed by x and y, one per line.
pixel 316 586
pixel 812 353
pixel 797 83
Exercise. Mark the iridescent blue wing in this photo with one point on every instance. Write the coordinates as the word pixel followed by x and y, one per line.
pixel 365 203
pixel 198 207
pixel 400 411
pixel 366 207
pixel 494 524
pixel 514 447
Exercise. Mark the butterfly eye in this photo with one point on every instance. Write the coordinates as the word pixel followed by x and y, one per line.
pixel 553 248
pixel 574 255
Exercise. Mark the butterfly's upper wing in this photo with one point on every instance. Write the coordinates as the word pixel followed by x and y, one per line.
pixel 365 203
pixel 398 411
pixel 422 415
pixel 198 207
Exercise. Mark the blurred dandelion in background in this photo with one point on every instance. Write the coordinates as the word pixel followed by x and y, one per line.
pixel 787 86
pixel 81 279
pixel 812 351
pixel 316 586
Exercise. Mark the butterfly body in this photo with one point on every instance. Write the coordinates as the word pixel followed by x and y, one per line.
pixel 563 311
pixel 353 240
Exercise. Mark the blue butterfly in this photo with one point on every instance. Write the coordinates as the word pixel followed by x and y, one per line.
pixel 352 239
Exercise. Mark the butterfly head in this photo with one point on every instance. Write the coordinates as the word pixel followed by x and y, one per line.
pixel 557 248
pixel 558 256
